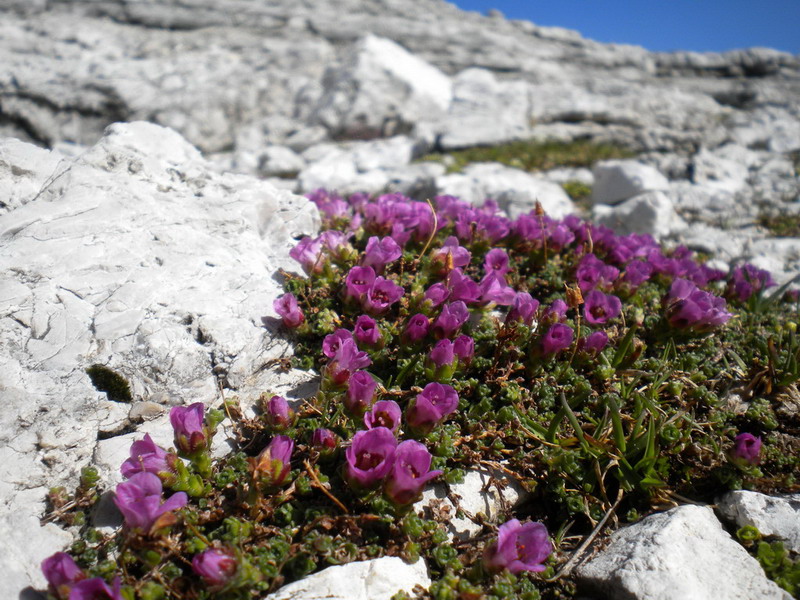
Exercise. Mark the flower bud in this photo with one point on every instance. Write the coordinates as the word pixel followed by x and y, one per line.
pixel 278 414
pixel 191 433
pixel 441 362
pixel 746 449
pixel 273 465
pixel 216 567
pixel 360 393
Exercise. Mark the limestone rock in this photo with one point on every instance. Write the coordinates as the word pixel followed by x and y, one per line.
pixel 380 89
pixel 377 579
pixel 777 516
pixel 515 190
pixel 473 498
pixel 485 111
pixel 138 257
pixel 651 212
pixel 682 554
pixel 618 180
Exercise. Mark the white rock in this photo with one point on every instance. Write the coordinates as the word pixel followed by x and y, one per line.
pixel 279 160
pixel 516 190
pixel 139 257
pixel 25 544
pixel 24 170
pixel 380 88
pixel 619 180
pixel 377 579
pixel 777 516
pixel 681 554
pixel 473 497
pixel 485 111
pixel 651 212
pixel 716 171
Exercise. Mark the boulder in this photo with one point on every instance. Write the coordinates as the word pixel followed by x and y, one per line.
pixel 485 111
pixel 774 516
pixel 378 579
pixel 515 190
pixel 135 256
pixel 681 554
pixel 618 180
pixel 651 212
pixel 380 88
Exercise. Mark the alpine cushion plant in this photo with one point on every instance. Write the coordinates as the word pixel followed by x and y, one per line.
pixel 588 366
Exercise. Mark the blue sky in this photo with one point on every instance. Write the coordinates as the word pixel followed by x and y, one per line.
pixel 700 25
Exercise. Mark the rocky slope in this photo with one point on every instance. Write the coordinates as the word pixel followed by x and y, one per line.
pixel 131 249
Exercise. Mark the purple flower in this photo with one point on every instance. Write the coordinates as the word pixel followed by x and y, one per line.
pixel 636 273
pixel 746 449
pixel 416 328
pixel 358 282
pixel 453 316
pixel 441 363
pixel 600 308
pixel 384 413
pixel 139 501
pixel 380 296
pixel 323 439
pixel 495 290
pixel 289 311
pixel 450 255
pixel 747 280
pixel 380 253
pixel 336 243
pixel 366 332
pixel 333 341
pixel 496 262
pixel 360 393
pixel 594 342
pixel 557 339
pixel 462 287
pixel 518 548
pixel 346 360
pixel 464 348
pixel 370 457
pixel 278 414
pixel 593 272
pixel 147 456
pixel 216 567
pixel 410 473
pixel 96 588
pixel 308 252
pixel 436 294
pixel 556 312
pixel 431 406
pixel 191 433
pixel 688 307
pixel 273 464
pixel 61 573
pixel 524 309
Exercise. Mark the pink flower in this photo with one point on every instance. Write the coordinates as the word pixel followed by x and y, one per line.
pixel 518 548
pixel 273 464
pixel 333 341
pixel 385 413
pixel 216 567
pixel 431 406
pixel 139 501
pixel 147 456
pixel 286 306
pixel 96 588
pixel 557 339
pixel 191 433
pixel 380 296
pixel 346 360
pixel 370 457
pixel 380 253
pixel 410 473
pixel 360 393
pixel 747 448
pixel 61 573
pixel 600 308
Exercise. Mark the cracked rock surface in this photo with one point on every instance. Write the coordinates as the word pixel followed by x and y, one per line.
pixel 135 256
